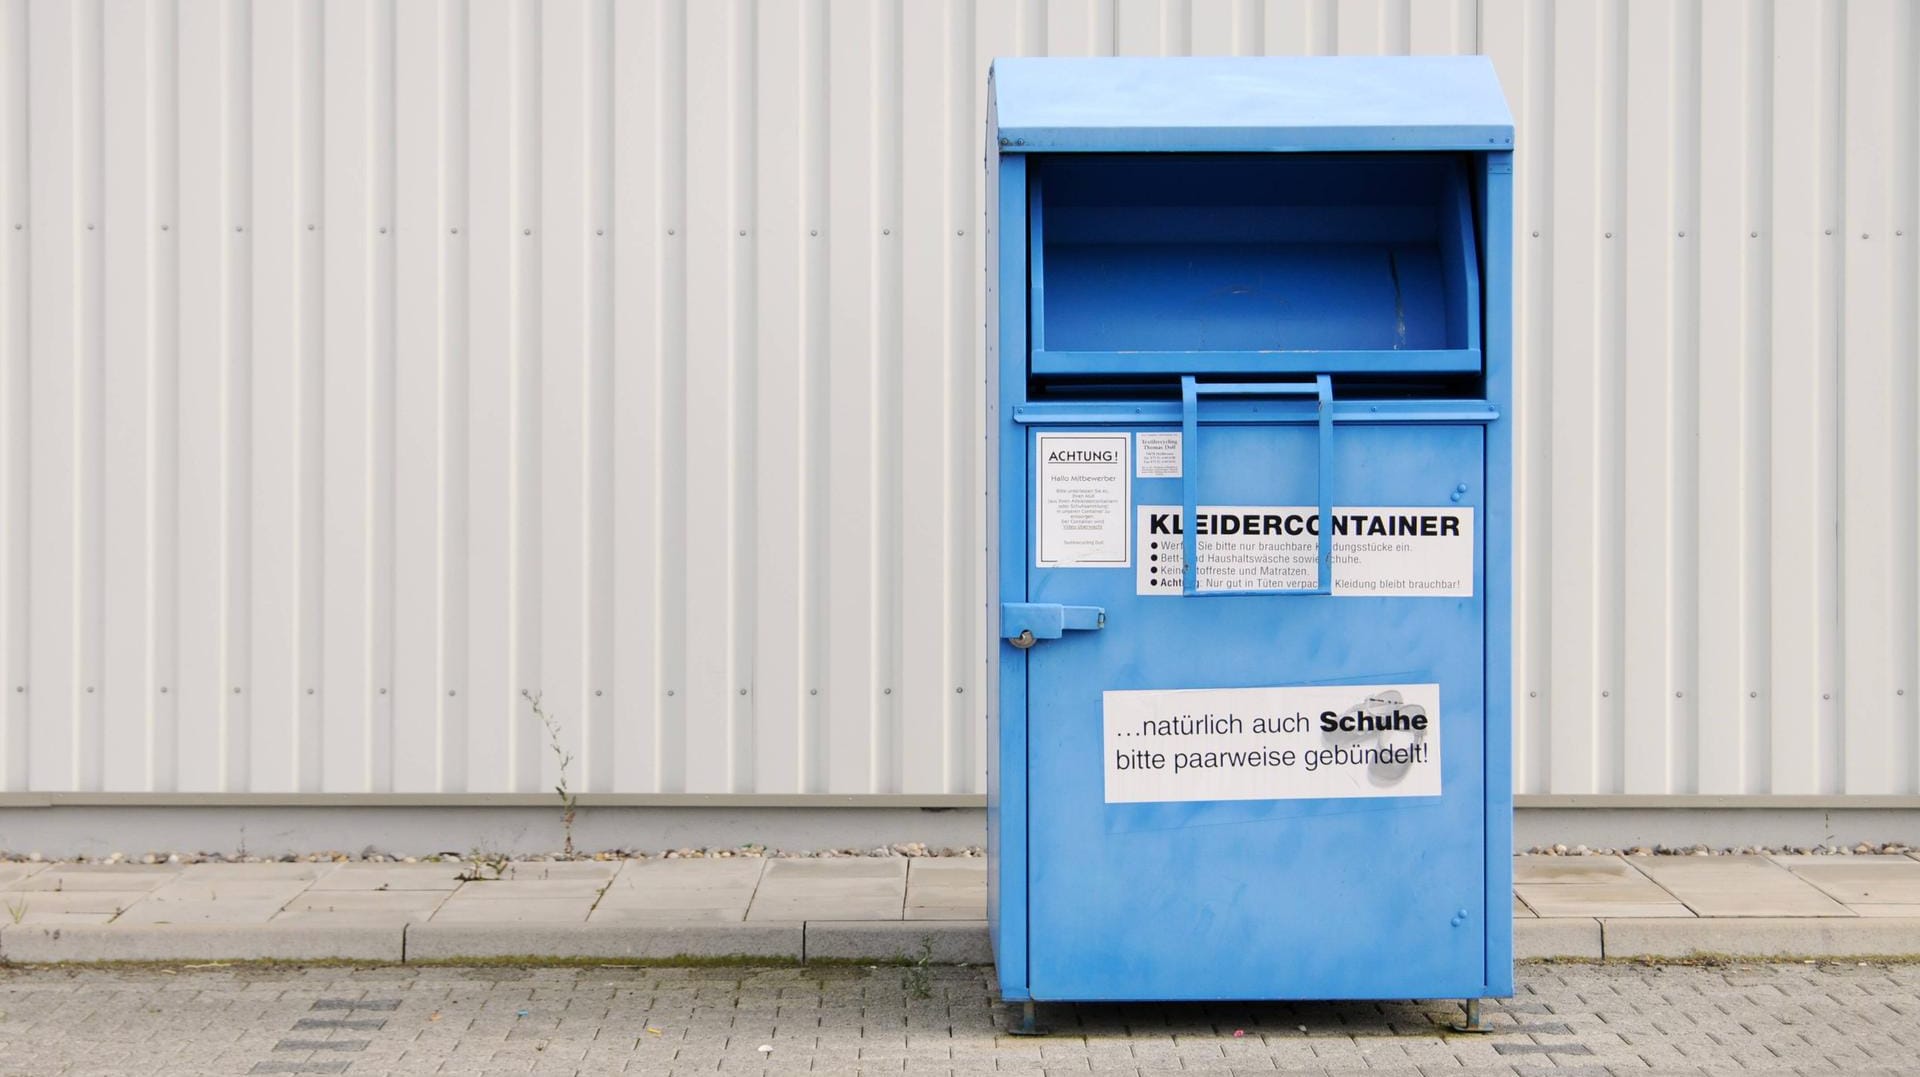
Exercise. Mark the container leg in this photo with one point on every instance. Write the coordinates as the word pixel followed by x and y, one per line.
pixel 1028 1024
pixel 1471 1019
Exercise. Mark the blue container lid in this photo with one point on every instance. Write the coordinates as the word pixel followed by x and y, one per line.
pixel 1248 104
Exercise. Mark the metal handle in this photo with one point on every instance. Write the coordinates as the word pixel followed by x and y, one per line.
pixel 1190 392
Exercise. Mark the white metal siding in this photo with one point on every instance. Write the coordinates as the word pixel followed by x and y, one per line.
pixel 362 364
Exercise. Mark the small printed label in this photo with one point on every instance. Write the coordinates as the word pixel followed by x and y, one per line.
pixel 1395 552
pixel 1159 456
pixel 1084 494
pixel 1375 740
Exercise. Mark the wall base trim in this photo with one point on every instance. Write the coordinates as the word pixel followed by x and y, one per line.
pixel 419 826
pixel 936 801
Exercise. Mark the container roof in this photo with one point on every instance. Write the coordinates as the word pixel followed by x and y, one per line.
pixel 1248 103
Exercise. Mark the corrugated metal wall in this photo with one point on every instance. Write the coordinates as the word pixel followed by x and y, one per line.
pixel 362 364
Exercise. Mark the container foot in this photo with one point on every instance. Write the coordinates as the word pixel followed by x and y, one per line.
pixel 1028 1024
pixel 1471 1018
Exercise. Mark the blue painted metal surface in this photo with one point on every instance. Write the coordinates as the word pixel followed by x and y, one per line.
pixel 1250 104
pixel 1030 621
pixel 1191 389
pixel 1350 220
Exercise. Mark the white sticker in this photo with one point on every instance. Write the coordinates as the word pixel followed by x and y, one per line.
pixel 1373 740
pixel 1387 551
pixel 1159 456
pixel 1084 494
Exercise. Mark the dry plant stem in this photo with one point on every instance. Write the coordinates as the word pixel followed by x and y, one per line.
pixel 569 805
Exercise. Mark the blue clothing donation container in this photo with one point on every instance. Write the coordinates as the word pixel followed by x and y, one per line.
pixel 1250 492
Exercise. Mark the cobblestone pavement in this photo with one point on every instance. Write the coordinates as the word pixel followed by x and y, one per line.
pixel 1585 1019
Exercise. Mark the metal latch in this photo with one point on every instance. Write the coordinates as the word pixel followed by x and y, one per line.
pixel 1026 623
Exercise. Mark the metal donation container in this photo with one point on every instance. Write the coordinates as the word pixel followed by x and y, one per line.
pixel 1250 496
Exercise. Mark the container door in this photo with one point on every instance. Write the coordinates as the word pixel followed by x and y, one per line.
pixel 1259 795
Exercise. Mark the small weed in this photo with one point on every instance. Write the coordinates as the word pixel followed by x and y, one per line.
pixel 483 867
pixel 917 979
pixel 17 909
pixel 569 801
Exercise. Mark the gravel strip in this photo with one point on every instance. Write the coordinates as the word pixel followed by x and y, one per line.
pixel 371 855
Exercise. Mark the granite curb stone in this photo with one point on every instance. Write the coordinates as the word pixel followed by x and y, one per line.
pixel 45 943
pixel 945 942
pixel 1762 937
pixel 433 941
pixel 1556 936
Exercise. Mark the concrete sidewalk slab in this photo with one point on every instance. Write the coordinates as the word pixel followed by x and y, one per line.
pixel 366 906
pixel 363 876
pixel 1860 880
pixel 1590 886
pixel 641 914
pixel 436 941
pixel 13 873
pixel 850 889
pixel 190 911
pixel 67 906
pixel 1739 886
pixel 33 944
pixel 459 909
pixel 66 877
pixel 863 908
pixel 946 891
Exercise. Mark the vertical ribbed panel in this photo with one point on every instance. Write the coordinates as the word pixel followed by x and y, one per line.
pixel 364 364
